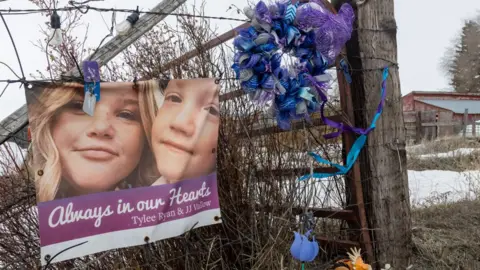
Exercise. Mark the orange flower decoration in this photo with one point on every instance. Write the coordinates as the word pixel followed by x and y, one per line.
pixel 354 262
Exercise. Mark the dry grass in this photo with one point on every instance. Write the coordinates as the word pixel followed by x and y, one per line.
pixel 447 236
pixel 443 145
pixel 458 162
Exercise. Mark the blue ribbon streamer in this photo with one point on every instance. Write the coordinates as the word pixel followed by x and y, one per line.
pixel 356 147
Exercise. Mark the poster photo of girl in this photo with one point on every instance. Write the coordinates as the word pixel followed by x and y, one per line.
pixel 185 130
pixel 77 154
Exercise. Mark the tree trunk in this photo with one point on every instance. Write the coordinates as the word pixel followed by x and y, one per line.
pixel 383 161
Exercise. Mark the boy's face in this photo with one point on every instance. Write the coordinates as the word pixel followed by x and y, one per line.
pixel 185 130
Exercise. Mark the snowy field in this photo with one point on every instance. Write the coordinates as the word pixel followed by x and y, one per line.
pixel 439 186
pixel 434 186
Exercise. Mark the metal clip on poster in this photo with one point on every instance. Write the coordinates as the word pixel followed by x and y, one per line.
pixel 91 73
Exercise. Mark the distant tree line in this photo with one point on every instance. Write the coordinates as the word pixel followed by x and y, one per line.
pixel 462 60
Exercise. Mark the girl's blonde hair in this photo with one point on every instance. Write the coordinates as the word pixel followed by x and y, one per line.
pixel 46 159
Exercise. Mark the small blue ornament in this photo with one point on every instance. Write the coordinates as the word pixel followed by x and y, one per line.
pixel 303 249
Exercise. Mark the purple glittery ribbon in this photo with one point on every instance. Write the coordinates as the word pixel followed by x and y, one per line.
pixel 341 127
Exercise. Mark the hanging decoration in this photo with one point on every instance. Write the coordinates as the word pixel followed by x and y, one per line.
pixel 303 249
pixel 341 127
pixel 357 145
pixel 313 36
pixel 309 33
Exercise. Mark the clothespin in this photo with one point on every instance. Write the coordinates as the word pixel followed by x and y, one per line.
pixel 91 73
pixel 307 220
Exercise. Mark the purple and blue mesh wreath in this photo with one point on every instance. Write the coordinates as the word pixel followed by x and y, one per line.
pixel 311 34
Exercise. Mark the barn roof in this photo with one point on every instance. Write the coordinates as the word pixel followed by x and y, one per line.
pixel 443 93
pixel 456 106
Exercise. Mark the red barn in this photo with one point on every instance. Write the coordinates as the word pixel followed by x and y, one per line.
pixel 452 102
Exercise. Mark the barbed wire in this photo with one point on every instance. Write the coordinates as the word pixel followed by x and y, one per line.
pixel 79 79
pixel 84 9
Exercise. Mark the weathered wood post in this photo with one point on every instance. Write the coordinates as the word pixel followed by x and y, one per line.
pixel 383 161
pixel 465 123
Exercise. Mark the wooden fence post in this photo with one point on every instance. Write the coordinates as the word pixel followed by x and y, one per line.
pixel 419 131
pixel 430 130
pixel 465 123
pixel 474 126
pixel 383 161
pixel 445 117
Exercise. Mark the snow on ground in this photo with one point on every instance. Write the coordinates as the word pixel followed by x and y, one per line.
pixel 435 186
pixel 454 153
pixel 426 188
pixel 10 154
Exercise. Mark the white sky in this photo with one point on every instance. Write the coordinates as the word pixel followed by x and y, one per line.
pixel 425 30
